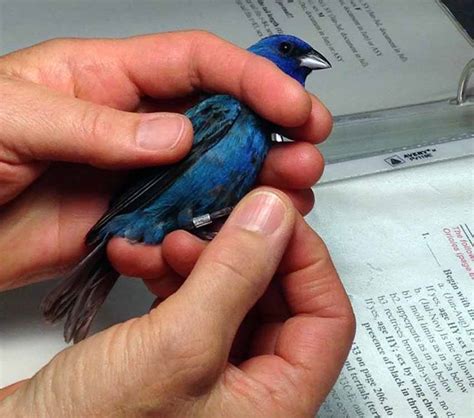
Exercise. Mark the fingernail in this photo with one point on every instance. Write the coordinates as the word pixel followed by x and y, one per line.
pixel 263 212
pixel 158 132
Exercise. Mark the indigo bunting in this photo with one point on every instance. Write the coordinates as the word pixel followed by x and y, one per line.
pixel 230 145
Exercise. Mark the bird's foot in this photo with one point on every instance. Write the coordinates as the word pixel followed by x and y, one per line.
pixel 205 235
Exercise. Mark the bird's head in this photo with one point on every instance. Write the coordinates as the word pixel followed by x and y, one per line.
pixel 292 55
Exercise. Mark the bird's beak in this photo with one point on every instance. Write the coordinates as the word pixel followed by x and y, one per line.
pixel 314 61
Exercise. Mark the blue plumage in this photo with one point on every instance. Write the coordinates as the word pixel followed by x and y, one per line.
pixel 220 177
pixel 230 145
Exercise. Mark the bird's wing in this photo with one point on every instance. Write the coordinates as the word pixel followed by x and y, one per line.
pixel 211 120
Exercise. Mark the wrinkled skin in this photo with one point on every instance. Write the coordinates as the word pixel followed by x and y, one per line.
pixel 70 119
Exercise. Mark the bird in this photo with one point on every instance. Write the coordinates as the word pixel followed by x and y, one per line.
pixel 229 147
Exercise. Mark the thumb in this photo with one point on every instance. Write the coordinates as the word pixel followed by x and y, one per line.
pixel 233 273
pixel 155 361
pixel 42 124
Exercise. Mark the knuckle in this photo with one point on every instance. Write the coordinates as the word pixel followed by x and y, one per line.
pixel 91 123
pixel 246 75
pixel 201 42
pixel 92 127
pixel 60 43
pixel 54 43
pixel 204 36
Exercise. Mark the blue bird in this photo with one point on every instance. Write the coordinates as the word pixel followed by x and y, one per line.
pixel 230 145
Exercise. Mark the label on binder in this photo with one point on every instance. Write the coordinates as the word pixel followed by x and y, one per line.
pixel 394 160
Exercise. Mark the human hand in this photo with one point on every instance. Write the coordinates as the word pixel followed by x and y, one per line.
pixel 72 101
pixel 195 354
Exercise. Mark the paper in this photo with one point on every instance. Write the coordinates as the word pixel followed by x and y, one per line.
pixel 384 53
pixel 404 251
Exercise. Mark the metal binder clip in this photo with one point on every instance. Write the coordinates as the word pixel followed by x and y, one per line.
pixel 461 97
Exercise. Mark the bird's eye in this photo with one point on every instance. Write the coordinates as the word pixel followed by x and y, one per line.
pixel 285 48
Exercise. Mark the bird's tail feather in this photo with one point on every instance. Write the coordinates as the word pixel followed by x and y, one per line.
pixel 79 295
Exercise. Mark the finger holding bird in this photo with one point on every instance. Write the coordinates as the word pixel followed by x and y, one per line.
pixel 230 146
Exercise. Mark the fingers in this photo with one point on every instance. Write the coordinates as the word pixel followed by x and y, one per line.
pixel 118 73
pixel 40 124
pixel 136 260
pixel 178 64
pixel 317 126
pixel 165 286
pixel 201 61
pixel 315 129
pixel 303 200
pixel 299 359
pixel 181 250
pixel 318 337
pixel 297 165
pixel 178 253
pixel 236 267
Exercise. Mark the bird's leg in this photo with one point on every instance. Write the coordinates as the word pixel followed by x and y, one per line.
pixel 205 234
pixel 196 224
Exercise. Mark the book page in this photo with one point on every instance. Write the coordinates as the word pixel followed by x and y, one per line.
pixel 384 53
pixel 405 253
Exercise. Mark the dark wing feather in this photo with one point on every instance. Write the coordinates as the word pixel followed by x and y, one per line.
pixel 211 121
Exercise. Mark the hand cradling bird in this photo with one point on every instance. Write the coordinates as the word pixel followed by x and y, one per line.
pixel 230 145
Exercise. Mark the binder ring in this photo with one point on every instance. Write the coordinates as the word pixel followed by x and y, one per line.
pixel 461 97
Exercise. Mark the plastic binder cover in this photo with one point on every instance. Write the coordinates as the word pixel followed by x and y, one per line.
pixel 384 55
